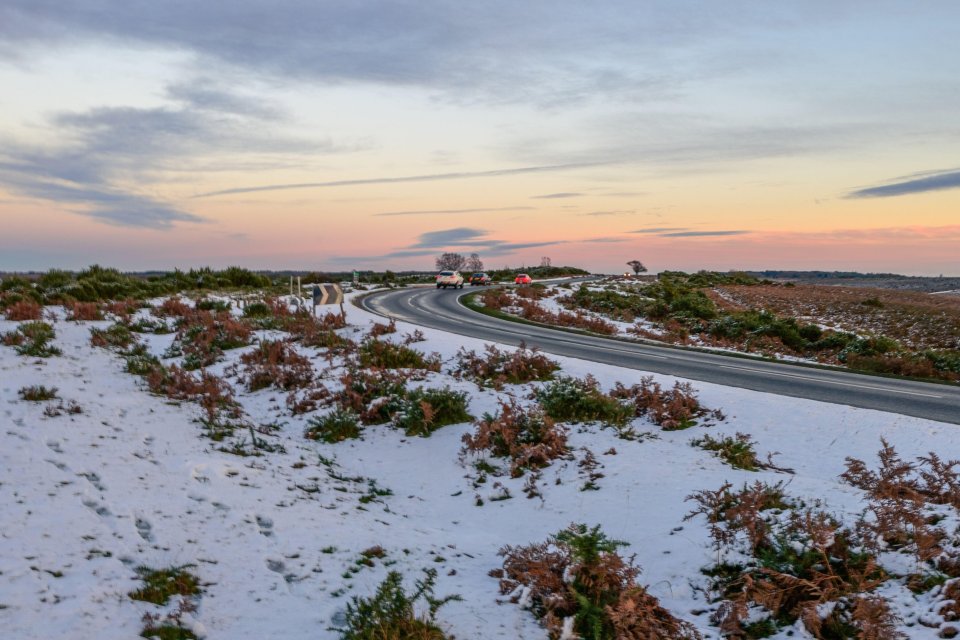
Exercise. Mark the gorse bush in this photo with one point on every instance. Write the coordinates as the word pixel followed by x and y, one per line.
pixel 496 368
pixel 578 576
pixel 390 614
pixel 581 400
pixel 32 339
pixel 423 411
pixel 530 439
pixel 336 426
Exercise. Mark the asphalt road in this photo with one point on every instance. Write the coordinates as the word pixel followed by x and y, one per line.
pixel 443 309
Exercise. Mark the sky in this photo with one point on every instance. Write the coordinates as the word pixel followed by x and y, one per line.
pixel 315 135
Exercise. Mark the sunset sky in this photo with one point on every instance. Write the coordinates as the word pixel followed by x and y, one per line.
pixel 314 135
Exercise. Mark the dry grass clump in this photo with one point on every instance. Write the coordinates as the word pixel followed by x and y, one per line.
pixel 530 310
pixel 276 363
pixel 577 583
pixel 123 309
pixel 496 298
pixel 495 367
pixel 737 451
pixel 116 336
pixel 173 308
pixel 672 409
pixel 32 339
pixel 24 310
pixel 383 328
pixel 38 393
pixel 83 311
pixel 529 438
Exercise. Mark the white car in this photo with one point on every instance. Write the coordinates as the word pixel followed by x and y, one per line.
pixel 449 279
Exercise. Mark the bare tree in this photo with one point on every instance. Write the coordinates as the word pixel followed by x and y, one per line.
pixel 474 263
pixel 637 267
pixel 451 262
pixel 545 261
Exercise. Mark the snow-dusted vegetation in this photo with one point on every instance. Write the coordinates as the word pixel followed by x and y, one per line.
pixel 194 468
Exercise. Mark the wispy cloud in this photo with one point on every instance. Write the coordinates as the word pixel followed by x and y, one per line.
pixel 461 236
pixel 452 211
pixel 695 234
pixel 110 158
pixel 658 230
pixel 432 177
pixel 624 212
pixel 558 196
pixel 917 183
pixel 465 238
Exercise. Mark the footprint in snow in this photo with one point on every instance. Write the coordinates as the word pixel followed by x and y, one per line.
pixel 93 479
pixel 266 525
pixel 144 529
pixel 97 508
pixel 59 465
pixel 54 446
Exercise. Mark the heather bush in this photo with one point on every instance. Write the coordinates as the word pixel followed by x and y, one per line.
pixel 496 368
pixel 383 328
pixel 390 614
pixel 672 409
pixel 213 394
pixel 336 426
pixel 578 577
pixel 380 354
pixel 32 339
pixel 276 363
pixel 423 411
pixel 530 439
pixel 116 336
pixel 581 400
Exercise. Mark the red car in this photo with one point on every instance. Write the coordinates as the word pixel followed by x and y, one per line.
pixel 523 279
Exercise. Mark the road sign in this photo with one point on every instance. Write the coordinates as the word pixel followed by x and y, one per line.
pixel 327 294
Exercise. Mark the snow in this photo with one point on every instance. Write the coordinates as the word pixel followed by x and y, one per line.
pixel 132 481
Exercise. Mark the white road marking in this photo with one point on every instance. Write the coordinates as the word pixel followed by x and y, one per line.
pixel 825 381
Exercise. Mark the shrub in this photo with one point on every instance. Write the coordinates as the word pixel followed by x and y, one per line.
pixel 212 393
pixel 577 574
pixel 736 451
pixel 140 362
pixel 24 310
pixel 38 393
pixel 116 336
pixel 83 311
pixel 423 411
pixel 530 439
pixel 162 584
pixel 374 394
pixel 203 336
pixel 390 613
pixel 575 400
pixel 208 304
pixel 383 328
pixel 672 409
pixel 173 307
pixel 496 367
pixel 276 363
pixel 386 355
pixel 32 339
pixel 337 426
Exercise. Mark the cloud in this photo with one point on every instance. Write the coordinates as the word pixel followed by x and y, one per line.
pixel 696 234
pixel 624 212
pixel 432 177
pixel 557 196
pixel 460 236
pixel 109 159
pixel 452 211
pixel 658 230
pixel 918 183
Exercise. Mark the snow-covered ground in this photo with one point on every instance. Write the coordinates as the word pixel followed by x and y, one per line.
pixel 131 481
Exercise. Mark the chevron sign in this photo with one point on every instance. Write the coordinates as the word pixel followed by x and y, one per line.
pixel 327 294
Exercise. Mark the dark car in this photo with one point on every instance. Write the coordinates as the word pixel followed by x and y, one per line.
pixel 479 278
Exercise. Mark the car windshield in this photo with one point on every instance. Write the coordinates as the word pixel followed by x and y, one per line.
pixel 446 273
pixel 479 275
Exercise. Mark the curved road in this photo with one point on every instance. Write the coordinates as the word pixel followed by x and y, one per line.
pixel 443 309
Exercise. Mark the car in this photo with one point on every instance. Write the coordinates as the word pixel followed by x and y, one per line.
pixel 479 278
pixel 449 279
pixel 523 278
